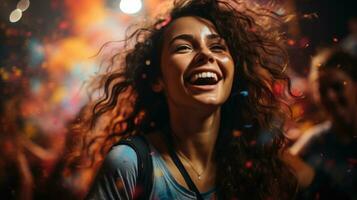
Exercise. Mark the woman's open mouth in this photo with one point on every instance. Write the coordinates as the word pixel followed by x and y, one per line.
pixel 203 80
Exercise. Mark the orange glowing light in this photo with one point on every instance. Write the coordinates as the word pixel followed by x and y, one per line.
pixel 237 133
pixel 291 42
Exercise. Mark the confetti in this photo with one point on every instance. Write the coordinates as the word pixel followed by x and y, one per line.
pixel 248 126
pixel 237 133
pixel 17 72
pixel 23 5
pixel 158 173
pixel 15 15
pixel 310 16
pixel 248 164
pixel 291 42
pixel 163 23
pixel 4 74
pixel 244 93
pixel 119 183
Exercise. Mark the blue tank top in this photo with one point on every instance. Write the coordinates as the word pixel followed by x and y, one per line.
pixel 117 178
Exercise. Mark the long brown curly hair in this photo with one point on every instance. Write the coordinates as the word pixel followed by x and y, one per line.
pixel 251 136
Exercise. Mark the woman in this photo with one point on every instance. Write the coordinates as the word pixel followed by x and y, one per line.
pixel 197 85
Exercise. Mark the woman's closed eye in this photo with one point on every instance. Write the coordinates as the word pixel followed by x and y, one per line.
pixel 218 48
pixel 187 48
pixel 183 48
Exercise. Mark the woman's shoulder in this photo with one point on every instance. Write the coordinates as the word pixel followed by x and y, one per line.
pixel 121 157
pixel 119 167
pixel 124 155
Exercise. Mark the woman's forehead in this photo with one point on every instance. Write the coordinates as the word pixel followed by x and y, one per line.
pixel 190 25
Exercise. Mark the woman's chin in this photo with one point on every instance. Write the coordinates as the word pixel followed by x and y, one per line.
pixel 211 101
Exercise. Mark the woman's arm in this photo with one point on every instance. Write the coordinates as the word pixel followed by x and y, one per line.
pixel 117 177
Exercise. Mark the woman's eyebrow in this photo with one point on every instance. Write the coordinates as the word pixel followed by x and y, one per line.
pixel 190 37
pixel 183 37
pixel 214 36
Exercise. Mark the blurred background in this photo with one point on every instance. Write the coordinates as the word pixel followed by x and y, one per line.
pixel 49 51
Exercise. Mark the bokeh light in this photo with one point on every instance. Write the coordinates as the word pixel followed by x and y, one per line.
pixel 130 6
pixel 23 5
pixel 15 15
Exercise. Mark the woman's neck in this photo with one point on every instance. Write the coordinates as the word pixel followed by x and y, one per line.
pixel 195 134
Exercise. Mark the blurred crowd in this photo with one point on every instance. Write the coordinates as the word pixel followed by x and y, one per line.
pixel 322 134
pixel 325 154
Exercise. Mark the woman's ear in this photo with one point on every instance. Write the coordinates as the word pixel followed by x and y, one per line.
pixel 158 86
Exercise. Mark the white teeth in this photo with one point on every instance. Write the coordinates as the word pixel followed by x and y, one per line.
pixel 204 75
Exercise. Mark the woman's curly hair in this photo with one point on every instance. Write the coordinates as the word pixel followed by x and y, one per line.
pixel 251 136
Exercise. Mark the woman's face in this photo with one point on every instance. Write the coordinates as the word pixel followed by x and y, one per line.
pixel 196 65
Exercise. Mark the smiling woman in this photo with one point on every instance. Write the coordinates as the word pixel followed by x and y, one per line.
pixel 174 103
pixel 196 65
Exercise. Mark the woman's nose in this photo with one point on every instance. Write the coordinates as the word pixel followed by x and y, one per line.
pixel 204 56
